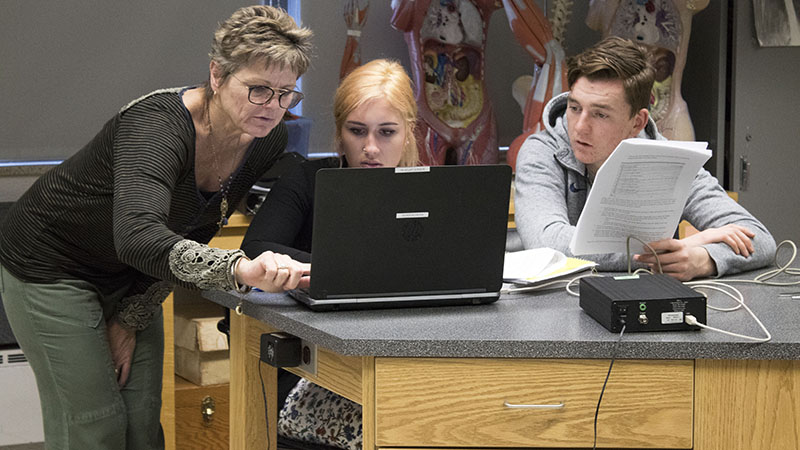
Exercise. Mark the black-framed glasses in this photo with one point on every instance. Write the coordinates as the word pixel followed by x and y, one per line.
pixel 260 95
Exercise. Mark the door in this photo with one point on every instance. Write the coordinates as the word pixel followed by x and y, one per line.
pixel 764 128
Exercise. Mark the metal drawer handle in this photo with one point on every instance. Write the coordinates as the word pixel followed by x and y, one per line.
pixel 555 406
pixel 208 407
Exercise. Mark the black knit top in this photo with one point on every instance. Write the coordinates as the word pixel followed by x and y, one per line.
pixel 111 213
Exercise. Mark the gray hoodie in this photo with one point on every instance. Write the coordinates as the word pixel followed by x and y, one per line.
pixel 551 189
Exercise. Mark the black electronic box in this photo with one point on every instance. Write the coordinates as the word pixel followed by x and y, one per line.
pixel 643 302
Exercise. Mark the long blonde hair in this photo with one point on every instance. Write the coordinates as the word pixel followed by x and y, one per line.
pixel 380 78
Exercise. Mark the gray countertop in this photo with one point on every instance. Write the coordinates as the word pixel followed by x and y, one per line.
pixel 542 325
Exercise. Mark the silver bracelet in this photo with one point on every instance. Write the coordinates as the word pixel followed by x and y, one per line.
pixel 240 288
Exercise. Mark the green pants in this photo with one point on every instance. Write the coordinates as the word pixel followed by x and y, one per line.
pixel 61 328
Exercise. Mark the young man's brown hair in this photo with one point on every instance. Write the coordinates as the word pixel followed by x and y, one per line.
pixel 615 58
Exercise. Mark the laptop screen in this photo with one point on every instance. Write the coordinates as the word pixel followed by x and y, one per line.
pixel 409 231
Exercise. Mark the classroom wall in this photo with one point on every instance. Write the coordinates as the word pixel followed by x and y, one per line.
pixel 69 66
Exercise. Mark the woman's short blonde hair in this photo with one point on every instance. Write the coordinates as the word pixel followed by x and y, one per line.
pixel 380 78
pixel 262 33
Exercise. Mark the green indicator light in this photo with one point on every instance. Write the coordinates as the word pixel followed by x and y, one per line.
pixel 642 306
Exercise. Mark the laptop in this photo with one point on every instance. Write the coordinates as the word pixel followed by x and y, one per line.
pixel 407 237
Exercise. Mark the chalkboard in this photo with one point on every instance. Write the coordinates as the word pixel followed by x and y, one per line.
pixel 67 67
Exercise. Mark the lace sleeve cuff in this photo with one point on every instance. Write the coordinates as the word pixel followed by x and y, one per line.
pixel 205 267
pixel 137 311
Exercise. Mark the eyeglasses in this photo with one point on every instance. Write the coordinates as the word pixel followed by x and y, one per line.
pixel 260 95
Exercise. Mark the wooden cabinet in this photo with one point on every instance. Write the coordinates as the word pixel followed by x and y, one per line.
pixel 747 405
pixel 423 402
pixel 168 378
pixel 459 402
pixel 201 416
pixel 180 399
pixel 448 403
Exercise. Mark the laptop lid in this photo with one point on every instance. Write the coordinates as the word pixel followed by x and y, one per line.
pixel 389 232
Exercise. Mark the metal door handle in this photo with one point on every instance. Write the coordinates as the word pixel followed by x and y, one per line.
pixel 744 175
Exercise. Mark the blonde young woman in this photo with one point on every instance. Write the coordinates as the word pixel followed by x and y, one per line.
pixel 92 249
pixel 375 115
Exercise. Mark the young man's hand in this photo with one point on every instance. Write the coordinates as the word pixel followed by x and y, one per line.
pixel 686 259
pixel 738 238
pixel 679 259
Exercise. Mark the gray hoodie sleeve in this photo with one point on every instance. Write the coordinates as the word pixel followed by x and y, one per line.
pixel 709 206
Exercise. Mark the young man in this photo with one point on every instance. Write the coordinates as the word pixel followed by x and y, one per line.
pixel 609 92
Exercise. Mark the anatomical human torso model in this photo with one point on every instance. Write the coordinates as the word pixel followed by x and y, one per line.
pixel 664 26
pixel 446 41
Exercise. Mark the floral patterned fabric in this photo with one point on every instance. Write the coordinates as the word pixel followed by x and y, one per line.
pixel 316 415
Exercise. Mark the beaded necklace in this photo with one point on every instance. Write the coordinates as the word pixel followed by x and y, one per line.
pixel 223 187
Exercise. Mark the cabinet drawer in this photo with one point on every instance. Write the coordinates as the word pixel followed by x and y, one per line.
pixel 193 429
pixel 460 403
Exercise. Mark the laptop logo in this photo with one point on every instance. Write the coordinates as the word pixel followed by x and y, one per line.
pixel 412 230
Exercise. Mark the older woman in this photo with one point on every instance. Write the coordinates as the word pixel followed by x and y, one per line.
pixel 375 115
pixel 92 249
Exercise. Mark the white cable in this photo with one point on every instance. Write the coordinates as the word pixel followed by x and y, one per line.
pixel 698 284
pixel 716 285
pixel 781 268
pixel 578 278
pixel 575 280
pixel 567 284
pixel 739 298
pixel 691 320
pixel 647 246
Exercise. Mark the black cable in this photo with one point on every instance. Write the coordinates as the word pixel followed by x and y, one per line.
pixel 266 410
pixel 597 410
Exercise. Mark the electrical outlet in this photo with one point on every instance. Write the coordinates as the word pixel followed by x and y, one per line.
pixel 308 357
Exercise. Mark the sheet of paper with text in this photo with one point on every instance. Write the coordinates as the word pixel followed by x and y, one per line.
pixel 639 191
